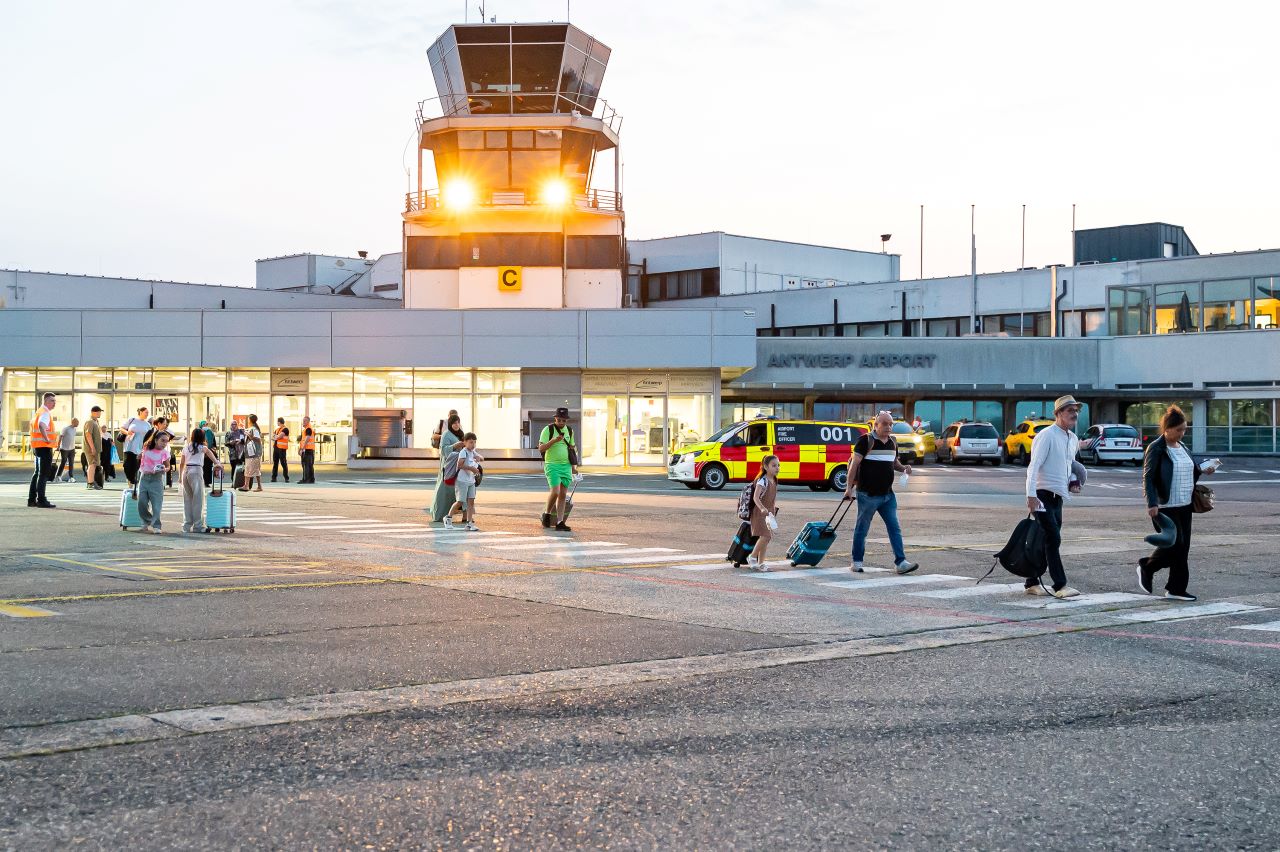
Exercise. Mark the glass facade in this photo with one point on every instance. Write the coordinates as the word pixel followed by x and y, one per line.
pixel 1241 426
pixel 640 419
pixel 1232 304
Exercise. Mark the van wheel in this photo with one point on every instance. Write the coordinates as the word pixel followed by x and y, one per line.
pixel 714 477
pixel 839 479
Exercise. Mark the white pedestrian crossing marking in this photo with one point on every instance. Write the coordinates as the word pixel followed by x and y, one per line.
pixel 1270 627
pixel 971 591
pixel 1081 600
pixel 438 535
pixel 556 542
pixel 707 566
pixel 640 560
pixel 1176 611
pixel 384 529
pixel 611 553
pixel 885 582
pixel 799 572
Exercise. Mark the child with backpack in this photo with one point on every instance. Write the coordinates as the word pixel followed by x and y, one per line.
pixel 764 511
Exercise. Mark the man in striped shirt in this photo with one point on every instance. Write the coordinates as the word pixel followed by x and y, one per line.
pixel 871 470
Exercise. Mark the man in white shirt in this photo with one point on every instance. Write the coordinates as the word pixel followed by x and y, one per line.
pixel 67 451
pixel 137 427
pixel 1052 474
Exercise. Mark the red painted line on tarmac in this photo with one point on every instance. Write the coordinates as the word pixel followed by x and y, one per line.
pixel 797 596
pixel 1125 634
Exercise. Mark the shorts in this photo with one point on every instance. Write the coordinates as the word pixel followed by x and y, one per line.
pixel 559 474
pixel 464 491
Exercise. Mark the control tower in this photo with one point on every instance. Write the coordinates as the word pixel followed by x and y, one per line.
pixel 516 219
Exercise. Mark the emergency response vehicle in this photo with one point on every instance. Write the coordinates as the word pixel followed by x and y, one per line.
pixel 812 452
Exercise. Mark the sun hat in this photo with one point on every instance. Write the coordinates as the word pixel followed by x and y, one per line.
pixel 1063 401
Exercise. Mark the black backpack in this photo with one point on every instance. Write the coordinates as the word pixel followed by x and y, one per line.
pixel 1023 555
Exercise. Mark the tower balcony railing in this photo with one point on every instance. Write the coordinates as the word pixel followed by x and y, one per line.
pixel 593 200
pixel 456 105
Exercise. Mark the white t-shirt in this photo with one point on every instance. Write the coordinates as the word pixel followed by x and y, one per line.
pixel 468 457
pixel 252 442
pixel 137 430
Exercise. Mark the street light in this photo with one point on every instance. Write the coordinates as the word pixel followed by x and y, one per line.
pixel 884 239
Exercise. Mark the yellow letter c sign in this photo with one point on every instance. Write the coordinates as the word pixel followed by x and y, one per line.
pixel 509 279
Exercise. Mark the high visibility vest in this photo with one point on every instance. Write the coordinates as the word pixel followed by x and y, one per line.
pixel 282 440
pixel 307 441
pixel 38 439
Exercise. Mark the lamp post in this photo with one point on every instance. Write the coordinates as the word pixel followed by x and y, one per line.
pixel 884 239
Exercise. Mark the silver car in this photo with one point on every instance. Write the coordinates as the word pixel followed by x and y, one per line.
pixel 969 441
pixel 1116 443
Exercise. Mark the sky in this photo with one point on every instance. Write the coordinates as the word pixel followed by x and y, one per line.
pixel 180 142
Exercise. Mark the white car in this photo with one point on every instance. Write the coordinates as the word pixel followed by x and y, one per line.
pixel 1114 443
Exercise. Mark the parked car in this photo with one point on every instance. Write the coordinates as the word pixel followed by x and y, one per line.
pixel 1017 444
pixel 913 446
pixel 966 440
pixel 811 452
pixel 1111 442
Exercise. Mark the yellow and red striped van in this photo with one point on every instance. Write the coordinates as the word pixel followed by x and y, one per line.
pixel 811 452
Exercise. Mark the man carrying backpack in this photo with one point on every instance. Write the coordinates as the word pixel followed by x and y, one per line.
pixel 560 463
pixel 1052 474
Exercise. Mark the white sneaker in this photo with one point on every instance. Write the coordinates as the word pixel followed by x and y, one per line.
pixel 448 522
pixel 472 528
pixel 906 566
pixel 71 479
pixel 856 567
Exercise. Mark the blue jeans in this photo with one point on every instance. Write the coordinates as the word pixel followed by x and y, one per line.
pixel 887 507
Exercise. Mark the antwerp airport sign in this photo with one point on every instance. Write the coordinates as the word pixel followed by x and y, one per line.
pixel 845 360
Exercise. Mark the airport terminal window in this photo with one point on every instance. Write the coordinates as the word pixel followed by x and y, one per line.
pixel 1177 307
pixel 943 328
pixel 171 380
pixel 511 250
pixel 685 284
pixel 246 381
pixel 1227 304
pixel 1130 310
pixel 595 252
pixel 92 379
pixel 433 252
pixel 1266 310
pixel 209 381
pixel 444 380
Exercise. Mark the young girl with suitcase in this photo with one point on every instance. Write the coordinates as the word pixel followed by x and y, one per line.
pixel 192 457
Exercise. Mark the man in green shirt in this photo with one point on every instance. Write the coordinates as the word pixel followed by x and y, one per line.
pixel 560 462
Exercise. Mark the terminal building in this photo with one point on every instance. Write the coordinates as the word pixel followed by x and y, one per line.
pixel 516 291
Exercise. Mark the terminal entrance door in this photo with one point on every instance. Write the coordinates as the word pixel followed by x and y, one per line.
pixel 647 444
pixel 292 407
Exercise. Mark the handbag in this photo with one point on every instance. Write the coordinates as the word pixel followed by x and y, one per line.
pixel 1201 499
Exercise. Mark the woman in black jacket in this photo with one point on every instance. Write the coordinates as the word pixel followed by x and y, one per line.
pixel 1169 475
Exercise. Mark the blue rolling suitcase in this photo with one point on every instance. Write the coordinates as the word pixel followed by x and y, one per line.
pixel 220 509
pixel 816 538
pixel 129 509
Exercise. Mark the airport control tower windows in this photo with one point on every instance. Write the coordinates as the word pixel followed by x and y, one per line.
pixel 517 69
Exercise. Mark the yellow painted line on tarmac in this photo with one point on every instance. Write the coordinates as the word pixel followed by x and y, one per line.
pixel 91 565
pixel 15 611
pixel 372 581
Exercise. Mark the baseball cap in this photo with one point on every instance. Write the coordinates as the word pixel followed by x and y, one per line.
pixel 562 412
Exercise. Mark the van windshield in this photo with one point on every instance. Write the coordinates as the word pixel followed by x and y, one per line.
pixel 728 430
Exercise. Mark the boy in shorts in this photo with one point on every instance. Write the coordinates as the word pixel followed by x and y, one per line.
pixel 465 485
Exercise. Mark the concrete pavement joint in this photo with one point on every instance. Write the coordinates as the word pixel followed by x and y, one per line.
pixel 35 740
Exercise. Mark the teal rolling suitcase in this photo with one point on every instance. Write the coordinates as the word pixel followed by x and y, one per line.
pixel 129 509
pixel 220 509
pixel 815 539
